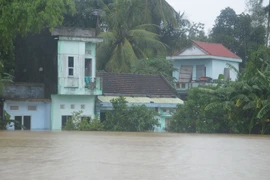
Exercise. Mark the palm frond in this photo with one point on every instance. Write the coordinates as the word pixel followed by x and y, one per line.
pixel 212 105
pixel 263 111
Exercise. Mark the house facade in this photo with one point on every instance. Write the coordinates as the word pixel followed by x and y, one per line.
pixel 203 62
pixel 25 103
pixel 77 82
pixel 153 91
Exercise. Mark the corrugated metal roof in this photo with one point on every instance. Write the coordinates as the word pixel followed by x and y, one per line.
pixel 143 100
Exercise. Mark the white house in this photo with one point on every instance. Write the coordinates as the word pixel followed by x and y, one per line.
pixel 203 61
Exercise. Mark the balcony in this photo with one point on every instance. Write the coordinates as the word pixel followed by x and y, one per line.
pixel 183 87
pixel 93 85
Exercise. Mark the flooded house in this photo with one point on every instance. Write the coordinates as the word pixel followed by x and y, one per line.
pixel 153 91
pixel 25 103
pixel 77 85
pixel 80 88
pixel 201 64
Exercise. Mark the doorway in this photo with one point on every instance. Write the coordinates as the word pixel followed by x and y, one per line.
pixel 22 122
pixel 64 120
pixel 88 67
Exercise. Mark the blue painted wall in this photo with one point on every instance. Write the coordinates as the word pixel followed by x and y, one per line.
pixel 40 118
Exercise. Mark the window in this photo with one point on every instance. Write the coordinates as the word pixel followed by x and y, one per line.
pixel 32 108
pixel 183 85
pixel 62 106
pixel 70 66
pixel 14 108
pixel 200 71
pixel 72 106
pixel 185 74
pixel 82 106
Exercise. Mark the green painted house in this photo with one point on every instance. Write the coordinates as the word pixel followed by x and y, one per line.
pixel 77 85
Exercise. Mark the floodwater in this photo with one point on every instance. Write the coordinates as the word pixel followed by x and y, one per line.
pixel 29 155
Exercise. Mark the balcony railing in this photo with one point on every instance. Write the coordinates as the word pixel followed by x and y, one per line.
pixel 93 84
pixel 188 85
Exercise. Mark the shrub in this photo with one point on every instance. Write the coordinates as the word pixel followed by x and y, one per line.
pixel 78 122
pixel 134 118
pixel 6 121
pixel 70 125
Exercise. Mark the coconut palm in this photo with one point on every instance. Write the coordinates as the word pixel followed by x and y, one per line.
pixel 159 11
pixel 126 38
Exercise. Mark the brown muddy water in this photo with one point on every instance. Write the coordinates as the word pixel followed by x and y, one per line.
pixel 28 155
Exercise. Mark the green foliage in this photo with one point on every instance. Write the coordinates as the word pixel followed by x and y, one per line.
pixel 27 16
pixel 6 121
pixel 193 116
pixel 133 31
pixel 92 125
pixel 78 122
pixel 238 33
pixel 31 16
pixel 234 107
pixel 70 125
pixel 134 118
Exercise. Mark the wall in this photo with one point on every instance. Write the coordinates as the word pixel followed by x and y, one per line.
pixel 40 118
pixel 194 50
pixel 177 64
pixel 23 90
pixel 213 67
pixel 67 101
pixel 218 68
pixel 79 50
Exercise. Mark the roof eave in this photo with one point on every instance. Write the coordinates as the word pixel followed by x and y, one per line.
pixel 203 57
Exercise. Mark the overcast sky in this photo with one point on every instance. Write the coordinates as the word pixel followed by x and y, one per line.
pixel 206 11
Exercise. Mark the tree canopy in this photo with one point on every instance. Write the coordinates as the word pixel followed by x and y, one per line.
pixel 237 33
pixel 131 34
pixel 22 17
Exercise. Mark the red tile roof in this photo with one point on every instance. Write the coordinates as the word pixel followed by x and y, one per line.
pixel 136 84
pixel 216 49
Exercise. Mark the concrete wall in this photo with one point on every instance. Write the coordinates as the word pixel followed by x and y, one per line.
pixel 193 62
pixel 218 68
pixel 23 90
pixel 40 118
pixel 67 101
pixel 73 32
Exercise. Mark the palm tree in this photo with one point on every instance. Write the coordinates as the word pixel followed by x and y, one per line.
pixel 126 37
pixel 159 11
